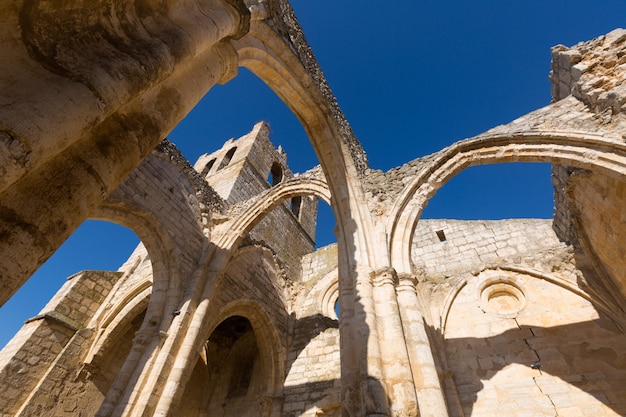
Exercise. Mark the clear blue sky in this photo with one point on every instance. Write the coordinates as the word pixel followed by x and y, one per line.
pixel 412 77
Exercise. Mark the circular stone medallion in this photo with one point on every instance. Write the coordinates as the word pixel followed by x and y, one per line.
pixel 502 298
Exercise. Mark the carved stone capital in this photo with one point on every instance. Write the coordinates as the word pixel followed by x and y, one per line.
pixel 384 276
pixel 406 282
pixel 142 337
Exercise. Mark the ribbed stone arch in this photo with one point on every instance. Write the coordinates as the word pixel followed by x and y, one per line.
pixel 158 244
pixel 306 93
pixel 265 53
pixel 341 156
pixel 156 241
pixel 272 199
pixel 576 149
pixel 129 306
pixel 199 322
pixel 87 120
pixel 139 203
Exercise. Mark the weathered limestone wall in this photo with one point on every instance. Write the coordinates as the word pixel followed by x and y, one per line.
pixel 520 345
pixel 31 362
pixel 600 216
pixel 137 270
pixel 318 264
pixel 512 331
pixel 468 245
pixel 281 231
pixel 313 383
pixel 255 275
pixel 164 205
pixel 593 73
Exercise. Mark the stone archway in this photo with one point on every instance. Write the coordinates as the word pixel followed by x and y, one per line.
pixel 583 150
pixel 240 367
pixel 231 376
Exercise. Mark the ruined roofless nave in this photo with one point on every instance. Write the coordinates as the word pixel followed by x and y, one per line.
pixel 226 308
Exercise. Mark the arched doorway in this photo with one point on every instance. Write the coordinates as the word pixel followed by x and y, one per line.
pixel 231 376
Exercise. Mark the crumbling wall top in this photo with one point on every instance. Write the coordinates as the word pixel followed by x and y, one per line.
pixel 593 72
pixel 206 195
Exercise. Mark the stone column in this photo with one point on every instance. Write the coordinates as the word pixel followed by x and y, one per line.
pixel 115 395
pixel 427 384
pixel 362 386
pixel 395 358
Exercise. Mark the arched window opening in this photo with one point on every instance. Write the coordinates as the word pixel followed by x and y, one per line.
pixel 276 174
pixel 329 300
pixel 82 251
pixel 471 215
pixel 498 191
pixel 208 167
pixel 325 226
pixel 296 204
pixel 227 158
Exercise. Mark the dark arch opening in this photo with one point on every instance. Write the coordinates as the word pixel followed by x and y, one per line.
pixel 276 174
pixel 207 167
pixel 229 375
pixel 296 204
pixel 234 337
pixel 227 158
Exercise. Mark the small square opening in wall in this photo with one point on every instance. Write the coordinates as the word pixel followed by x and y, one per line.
pixel 441 235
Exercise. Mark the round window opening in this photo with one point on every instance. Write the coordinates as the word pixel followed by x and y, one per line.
pixel 502 298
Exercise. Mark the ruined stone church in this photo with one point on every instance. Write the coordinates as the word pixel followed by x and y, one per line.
pixel 227 308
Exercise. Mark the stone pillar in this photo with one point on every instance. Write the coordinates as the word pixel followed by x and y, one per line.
pixel 115 397
pixel 427 384
pixel 395 358
pixel 363 392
